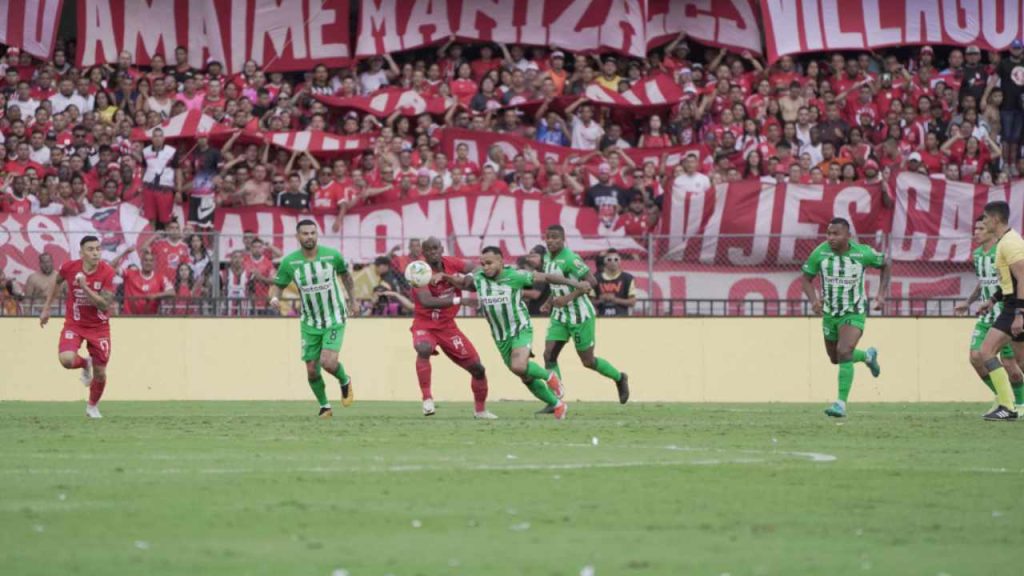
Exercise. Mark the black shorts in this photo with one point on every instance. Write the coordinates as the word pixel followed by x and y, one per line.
pixel 1005 320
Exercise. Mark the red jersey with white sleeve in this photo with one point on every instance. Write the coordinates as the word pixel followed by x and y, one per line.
pixel 80 313
pixel 438 318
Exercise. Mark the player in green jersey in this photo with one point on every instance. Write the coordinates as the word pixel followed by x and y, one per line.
pixel 572 313
pixel 984 259
pixel 841 263
pixel 314 270
pixel 499 292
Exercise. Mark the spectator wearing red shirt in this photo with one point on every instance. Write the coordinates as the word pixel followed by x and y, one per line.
pixel 261 271
pixel 144 287
pixel 169 250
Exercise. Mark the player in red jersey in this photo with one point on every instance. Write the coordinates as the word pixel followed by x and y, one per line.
pixel 85 318
pixel 433 326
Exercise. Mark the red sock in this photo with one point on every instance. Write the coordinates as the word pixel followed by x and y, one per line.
pixel 77 363
pixel 423 375
pixel 96 390
pixel 479 393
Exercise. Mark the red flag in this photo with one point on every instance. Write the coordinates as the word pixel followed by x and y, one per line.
pixel 192 124
pixel 318 143
pixel 384 103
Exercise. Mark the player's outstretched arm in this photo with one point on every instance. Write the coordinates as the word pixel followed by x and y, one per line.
pixel 405 302
pixel 562 280
pixel 883 286
pixel 460 281
pixel 428 300
pixel 807 283
pixel 44 314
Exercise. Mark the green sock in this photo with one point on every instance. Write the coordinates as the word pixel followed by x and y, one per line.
pixel 318 390
pixel 540 389
pixel 555 368
pixel 988 382
pixel 605 368
pixel 535 372
pixel 845 380
pixel 860 356
pixel 1018 392
pixel 341 375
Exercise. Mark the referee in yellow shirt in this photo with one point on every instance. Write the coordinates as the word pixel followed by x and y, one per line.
pixel 1009 325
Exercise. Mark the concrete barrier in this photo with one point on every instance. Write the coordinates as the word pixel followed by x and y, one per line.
pixel 670 360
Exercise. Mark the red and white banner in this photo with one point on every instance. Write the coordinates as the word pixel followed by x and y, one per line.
pixel 480 142
pixel 384 103
pixel 474 221
pixel 277 34
pixel 752 223
pixel 192 124
pixel 577 25
pixel 652 94
pixel 30 25
pixel 725 23
pixel 23 238
pixel 795 26
pixel 933 220
pixel 319 143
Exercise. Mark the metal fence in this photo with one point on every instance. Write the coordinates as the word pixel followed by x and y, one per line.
pixel 724 275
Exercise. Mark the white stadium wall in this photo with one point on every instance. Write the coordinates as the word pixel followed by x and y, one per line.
pixel 668 360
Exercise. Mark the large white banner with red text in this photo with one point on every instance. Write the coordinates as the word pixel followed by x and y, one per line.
pixel 752 223
pixel 24 237
pixel 277 34
pixel 516 223
pixel 30 25
pixel 795 26
pixel 933 220
pixel 626 26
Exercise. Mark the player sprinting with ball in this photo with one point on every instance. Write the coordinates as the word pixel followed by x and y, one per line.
pixel 499 291
pixel 433 326
pixel 841 263
pixel 315 270
pixel 91 294
pixel 984 259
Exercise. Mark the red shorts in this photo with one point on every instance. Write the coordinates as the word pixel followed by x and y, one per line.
pixel 452 342
pixel 97 343
pixel 157 205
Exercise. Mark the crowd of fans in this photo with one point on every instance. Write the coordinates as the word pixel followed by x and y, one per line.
pixel 67 148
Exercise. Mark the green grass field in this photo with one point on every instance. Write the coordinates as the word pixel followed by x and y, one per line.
pixel 265 488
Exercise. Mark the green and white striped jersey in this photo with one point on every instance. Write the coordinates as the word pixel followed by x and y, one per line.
pixel 323 303
pixel 985 268
pixel 842 276
pixel 502 302
pixel 567 264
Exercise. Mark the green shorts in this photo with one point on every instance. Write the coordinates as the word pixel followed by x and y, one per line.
pixel 830 324
pixel 978 336
pixel 522 340
pixel 315 340
pixel 582 334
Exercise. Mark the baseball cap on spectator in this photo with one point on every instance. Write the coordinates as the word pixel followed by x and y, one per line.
pixel 604 168
pixel 973 49
pixel 352 114
pixel 422 172
pixel 684 45
pixel 113 166
pixel 558 54
pixel 871 165
pixel 927 49
pixel 13 51
pixel 914 157
pixel 1017 44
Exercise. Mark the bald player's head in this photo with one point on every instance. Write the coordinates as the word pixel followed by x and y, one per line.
pixel 432 251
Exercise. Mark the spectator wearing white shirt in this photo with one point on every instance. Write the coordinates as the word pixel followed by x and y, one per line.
pixel 66 96
pixel 24 101
pixel 377 77
pixel 586 132
pixel 159 180
pixel 38 151
pixel 690 181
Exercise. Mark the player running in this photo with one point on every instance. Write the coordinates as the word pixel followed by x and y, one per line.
pixel 85 318
pixel 841 263
pixel 984 259
pixel 572 313
pixel 315 270
pixel 1008 327
pixel 435 308
pixel 499 290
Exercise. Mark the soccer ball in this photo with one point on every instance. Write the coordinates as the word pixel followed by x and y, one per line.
pixel 418 273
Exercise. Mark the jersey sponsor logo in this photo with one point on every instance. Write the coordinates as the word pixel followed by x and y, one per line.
pixel 69 335
pixel 495 300
pixel 96 285
pixel 316 288
pixel 841 281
